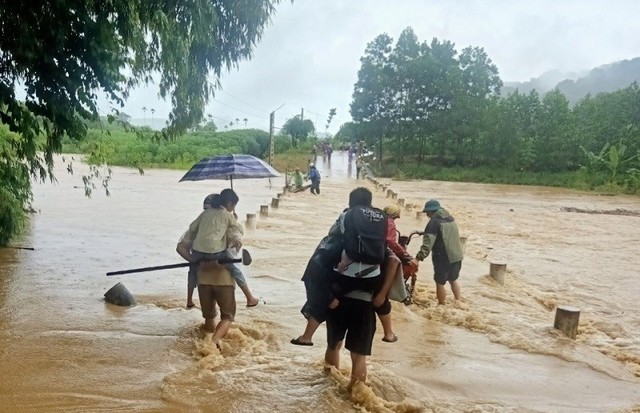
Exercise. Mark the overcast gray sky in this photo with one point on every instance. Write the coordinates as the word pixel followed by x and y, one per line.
pixel 310 53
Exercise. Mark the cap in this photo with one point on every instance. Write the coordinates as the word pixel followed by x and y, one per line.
pixel 431 206
pixel 312 164
pixel 392 210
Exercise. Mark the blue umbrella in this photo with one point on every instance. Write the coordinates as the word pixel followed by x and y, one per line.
pixel 229 167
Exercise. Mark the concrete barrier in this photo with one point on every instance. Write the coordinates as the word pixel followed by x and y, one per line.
pixel 497 272
pixel 251 221
pixel 119 295
pixel 567 319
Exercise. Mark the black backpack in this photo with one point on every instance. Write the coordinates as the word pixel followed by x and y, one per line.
pixel 365 234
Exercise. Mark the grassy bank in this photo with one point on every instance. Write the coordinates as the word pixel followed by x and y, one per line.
pixel 580 179
pixel 119 147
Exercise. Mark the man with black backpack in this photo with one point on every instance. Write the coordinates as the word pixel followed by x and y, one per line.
pixel 356 282
pixel 344 261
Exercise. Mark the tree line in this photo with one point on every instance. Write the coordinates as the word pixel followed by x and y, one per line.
pixel 423 104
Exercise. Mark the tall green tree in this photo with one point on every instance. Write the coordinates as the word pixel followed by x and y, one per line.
pixel 373 101
pixel 299 129
pixel 332 113
pixel 477 81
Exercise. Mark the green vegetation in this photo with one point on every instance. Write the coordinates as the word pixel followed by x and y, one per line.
pixel 115 145
pixel 431 112
pixel 15 187
pixel 141 150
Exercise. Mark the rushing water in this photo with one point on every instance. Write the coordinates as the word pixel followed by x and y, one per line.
pixel 64 349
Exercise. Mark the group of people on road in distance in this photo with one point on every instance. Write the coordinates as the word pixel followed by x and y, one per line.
pixel 347 288
pixel 327 150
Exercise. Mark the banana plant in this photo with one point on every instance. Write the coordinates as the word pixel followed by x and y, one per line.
pixel 611 157
pixel 615 159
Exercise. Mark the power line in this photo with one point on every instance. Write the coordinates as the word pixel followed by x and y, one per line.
pixel 242 101
pixel 239 110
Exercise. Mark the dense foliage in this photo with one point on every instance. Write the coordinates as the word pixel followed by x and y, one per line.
pixel 428 106
pixel 299 129
pixel 63 53
pixel 14 188
pixel 125 148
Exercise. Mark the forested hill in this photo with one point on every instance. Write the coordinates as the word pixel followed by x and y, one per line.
pixel 606 78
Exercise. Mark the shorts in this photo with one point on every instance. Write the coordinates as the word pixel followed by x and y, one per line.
pixel 355 319
pixel 222 295
pixel 446 272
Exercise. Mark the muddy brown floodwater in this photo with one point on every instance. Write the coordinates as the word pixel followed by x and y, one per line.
pixel 65 350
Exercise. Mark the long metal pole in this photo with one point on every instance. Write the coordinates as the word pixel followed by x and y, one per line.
pixel 272 118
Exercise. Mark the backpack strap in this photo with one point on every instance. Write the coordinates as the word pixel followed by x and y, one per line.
pixel 365 272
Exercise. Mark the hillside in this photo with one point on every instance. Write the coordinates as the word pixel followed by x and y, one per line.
pixel 606 78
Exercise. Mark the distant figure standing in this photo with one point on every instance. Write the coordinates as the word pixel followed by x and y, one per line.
pixel 442 240
pixel 329 152
pixel 359 165
pixel 314 151
pixel 360 150
pixel 314 176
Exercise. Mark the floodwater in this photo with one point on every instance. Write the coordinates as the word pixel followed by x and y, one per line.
pixel 65 350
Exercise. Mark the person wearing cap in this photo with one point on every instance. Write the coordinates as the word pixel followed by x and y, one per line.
pixel 298 181
pixel 314 177
pixel 442 241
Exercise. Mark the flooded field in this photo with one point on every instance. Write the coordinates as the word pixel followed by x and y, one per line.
pixel 64 349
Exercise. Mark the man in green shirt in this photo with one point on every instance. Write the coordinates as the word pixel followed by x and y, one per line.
pixel 298 181
pixel 442 241
pixel 298 178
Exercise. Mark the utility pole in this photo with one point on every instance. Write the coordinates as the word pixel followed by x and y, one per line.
pixel 302 114
pixel 272 121
pixel 272 118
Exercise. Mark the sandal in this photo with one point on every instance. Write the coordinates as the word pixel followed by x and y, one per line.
pixel 297 342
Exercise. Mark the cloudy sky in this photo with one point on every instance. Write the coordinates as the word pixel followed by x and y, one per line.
pixel 310 53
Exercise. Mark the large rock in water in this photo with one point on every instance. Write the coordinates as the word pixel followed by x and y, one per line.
pixel 119 295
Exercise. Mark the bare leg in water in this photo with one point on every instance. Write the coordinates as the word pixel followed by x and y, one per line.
pixel 307 337
pixel 252 300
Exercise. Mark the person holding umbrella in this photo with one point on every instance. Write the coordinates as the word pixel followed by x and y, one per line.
pixel 213 231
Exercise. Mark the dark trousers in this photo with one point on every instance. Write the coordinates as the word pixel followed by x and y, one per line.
pixel 315 186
